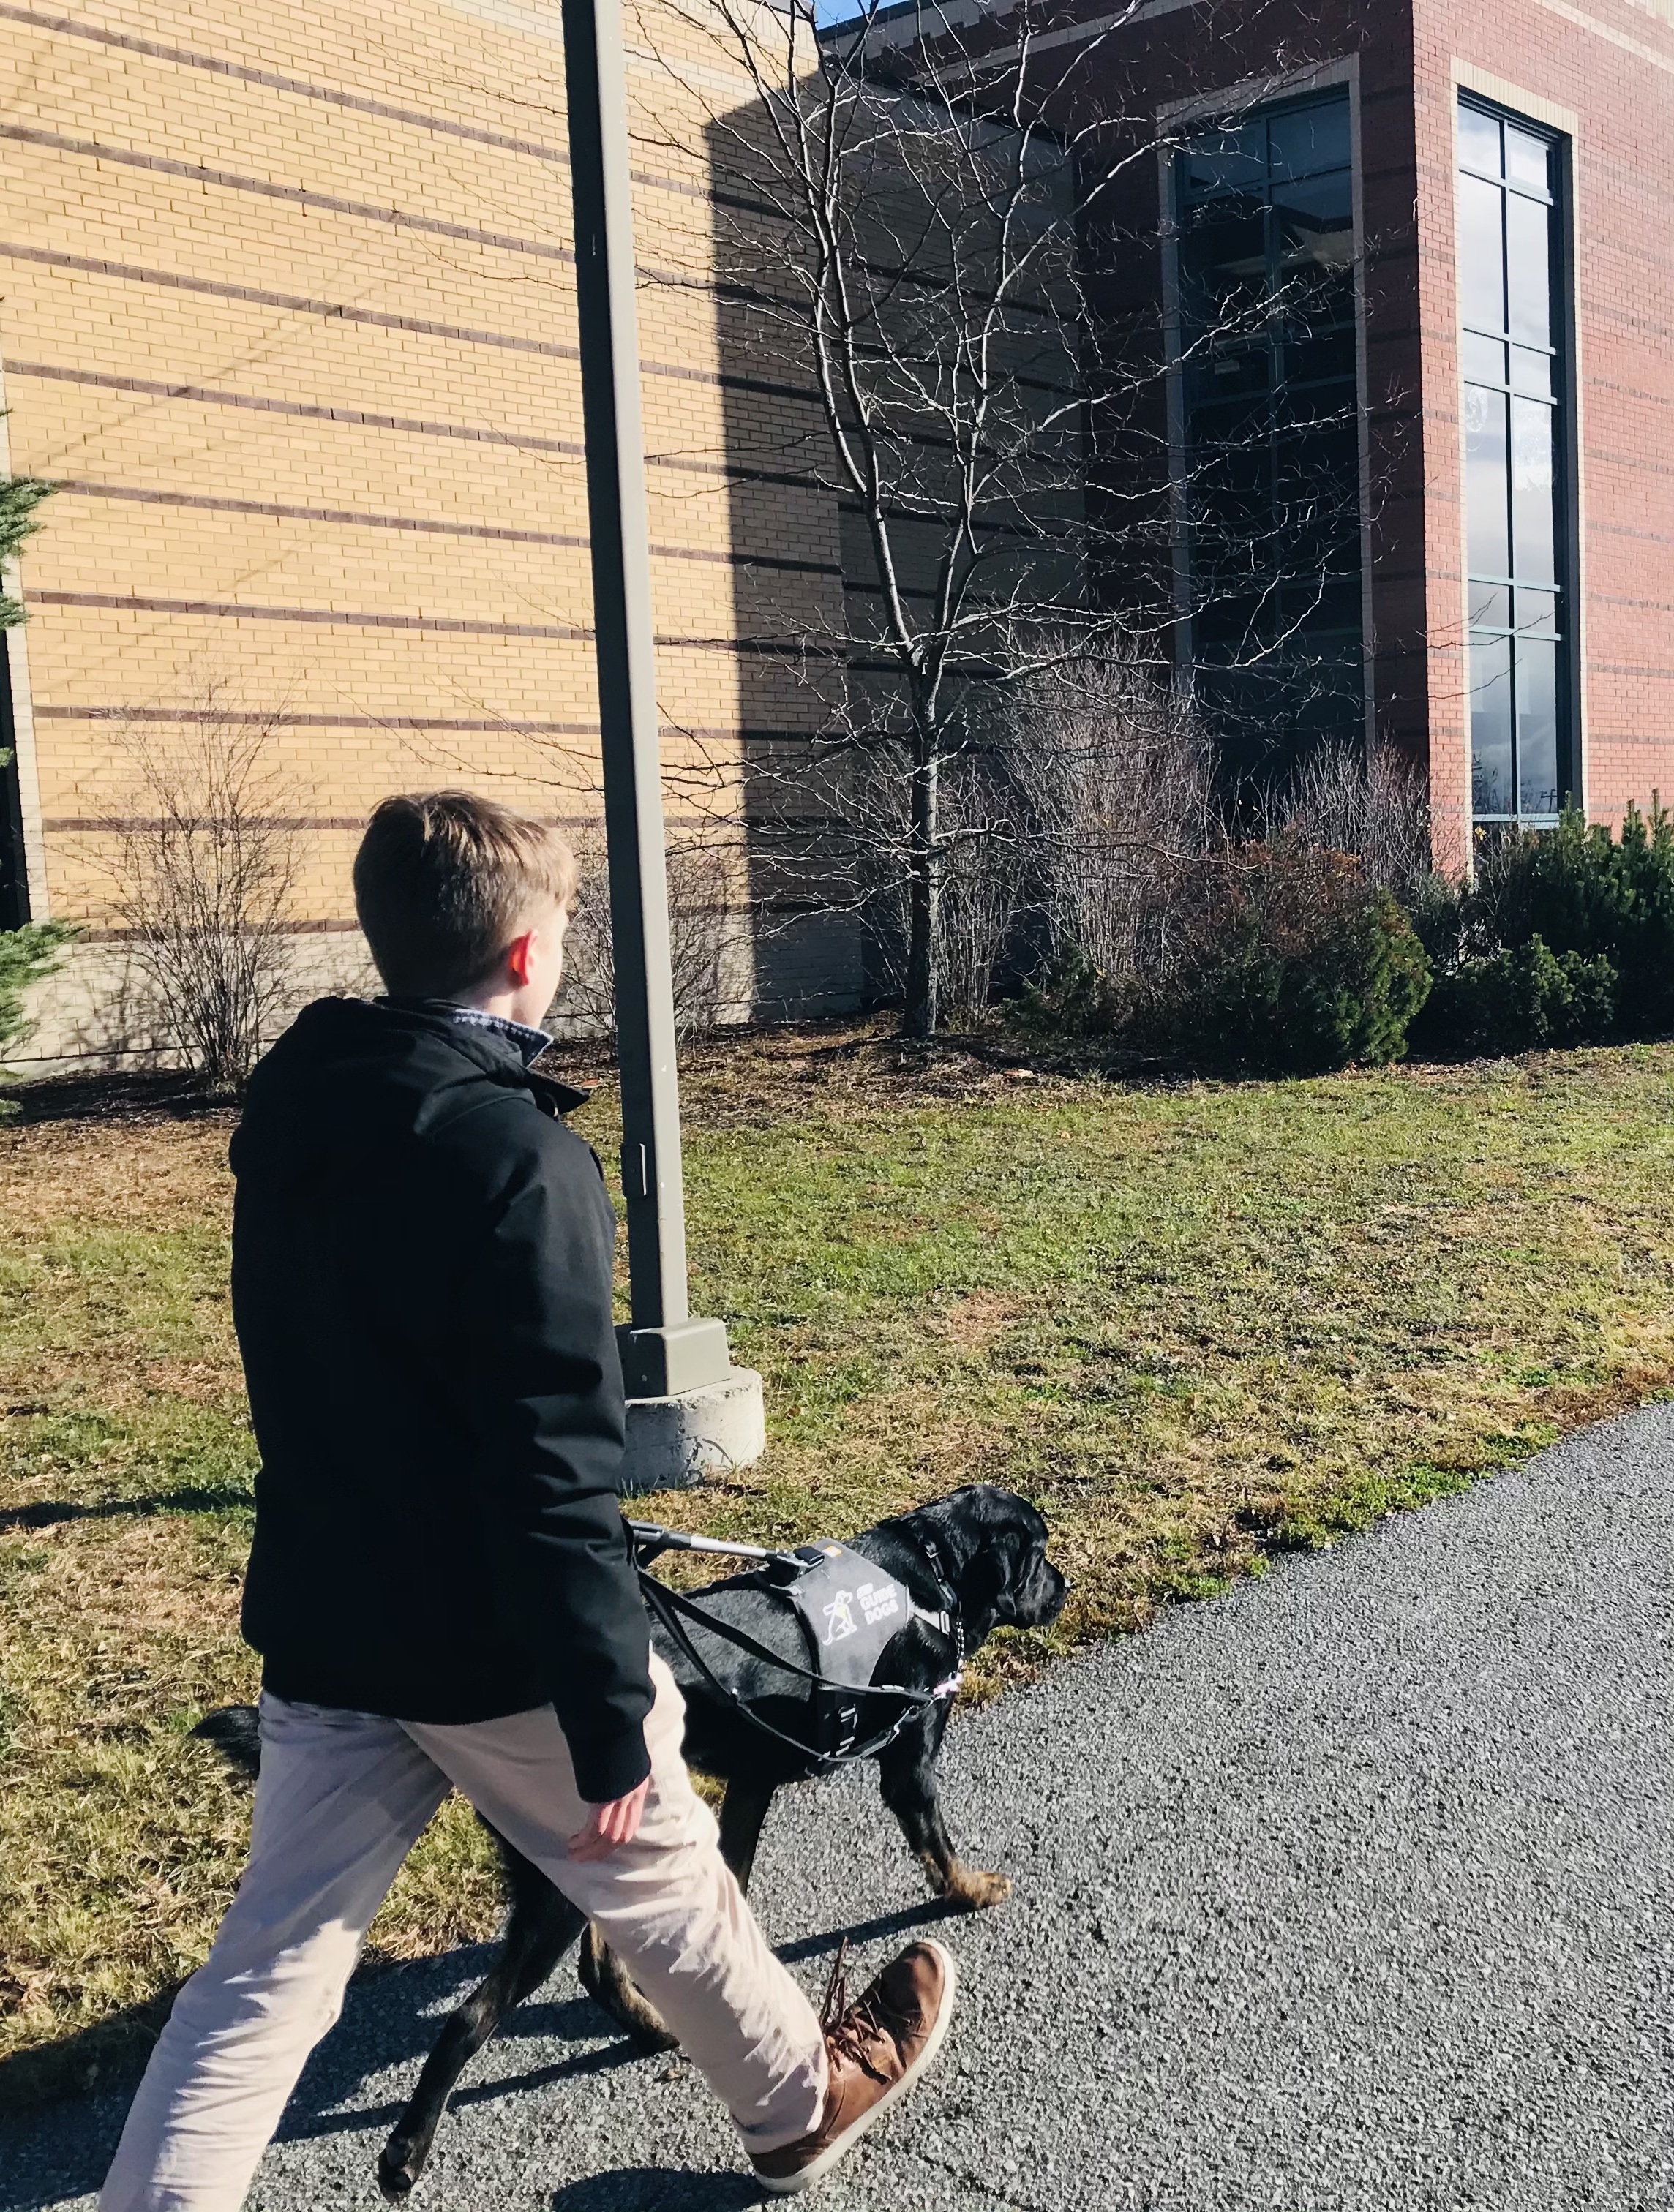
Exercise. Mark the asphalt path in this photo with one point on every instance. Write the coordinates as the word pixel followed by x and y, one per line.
pixel 1353 1892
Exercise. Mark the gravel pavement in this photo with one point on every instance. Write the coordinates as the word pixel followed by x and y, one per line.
pixel 1351 1893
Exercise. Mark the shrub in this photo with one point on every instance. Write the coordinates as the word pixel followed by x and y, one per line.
pixel 1521 999
pixel 201 874
pixel 705 940
pixel 1581 890
pixel 1299 994
pixel 1300 966
pixel 1567 936
pixel 27 955
pixel 1118 827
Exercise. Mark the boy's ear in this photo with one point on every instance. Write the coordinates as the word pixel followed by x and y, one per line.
pixel 519 955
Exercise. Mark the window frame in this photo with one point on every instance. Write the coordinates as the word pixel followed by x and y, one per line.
pixel 1335 81
pixel 1566 480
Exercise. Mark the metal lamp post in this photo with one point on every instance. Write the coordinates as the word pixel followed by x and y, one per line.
pixel 666 1353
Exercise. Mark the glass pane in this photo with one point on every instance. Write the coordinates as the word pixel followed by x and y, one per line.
pixel 1229 373
pixel 1322 358
pixel 1532 372
pixel 1536 614
pixel 1527 160
pixel 1310 138
pixel 1483 359
pixel 1225 158
pixel 1491 786
pixel 1316 222
pixel 1533 553
pixel 1479 141
pixel 1529 269
pixel 1223 263
pixel 1485 480
pixel 1327 603
pixel 1490 606
pixel 1480 252
pixel 1537 727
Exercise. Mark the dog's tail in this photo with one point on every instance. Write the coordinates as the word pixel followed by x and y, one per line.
pixel 236 1732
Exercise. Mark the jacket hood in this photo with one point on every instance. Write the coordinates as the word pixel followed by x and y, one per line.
pixel 357 1072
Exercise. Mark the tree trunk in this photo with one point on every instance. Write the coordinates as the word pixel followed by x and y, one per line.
pixel 922 1013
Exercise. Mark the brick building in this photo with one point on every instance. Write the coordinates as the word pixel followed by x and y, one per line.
pixel 286 312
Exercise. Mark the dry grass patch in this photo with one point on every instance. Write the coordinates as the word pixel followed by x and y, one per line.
pixel 1195 1322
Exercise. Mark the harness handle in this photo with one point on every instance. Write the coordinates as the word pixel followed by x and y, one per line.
pixel 653 1539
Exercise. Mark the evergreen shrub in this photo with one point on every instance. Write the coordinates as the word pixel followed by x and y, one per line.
pixel 1311 970
pixel 26 956
pixel 1567 936
pixel 1297 966
pixel 1522 998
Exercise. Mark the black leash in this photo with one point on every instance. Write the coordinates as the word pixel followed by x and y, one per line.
pixel 651 1539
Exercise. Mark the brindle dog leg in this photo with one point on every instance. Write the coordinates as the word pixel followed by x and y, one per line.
pixel 606 1981
pixel 907 1775
pixel 743 1810
pixel 543 1925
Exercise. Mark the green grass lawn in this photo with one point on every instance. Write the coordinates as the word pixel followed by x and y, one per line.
pixel 1194 1322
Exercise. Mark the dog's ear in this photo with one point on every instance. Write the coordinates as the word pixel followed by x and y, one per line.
pixel 1010 1578
pixel 988 1583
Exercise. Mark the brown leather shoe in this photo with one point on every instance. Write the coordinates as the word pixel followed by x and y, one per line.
pixel 876 2050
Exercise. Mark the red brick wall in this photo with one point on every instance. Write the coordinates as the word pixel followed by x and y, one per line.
pixel 1611 64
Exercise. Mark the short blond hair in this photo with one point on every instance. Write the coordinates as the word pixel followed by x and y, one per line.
pixel 445 881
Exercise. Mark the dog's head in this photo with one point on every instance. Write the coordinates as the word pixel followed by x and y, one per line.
pixel 994 1545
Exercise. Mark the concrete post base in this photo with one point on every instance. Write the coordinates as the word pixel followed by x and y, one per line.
pixel 675 1441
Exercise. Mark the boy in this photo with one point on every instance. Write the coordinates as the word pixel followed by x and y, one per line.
pixel 441 1585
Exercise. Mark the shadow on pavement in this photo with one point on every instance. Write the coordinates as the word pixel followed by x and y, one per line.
pixel 658 2188
pixel 927 1915
pixel 391 2019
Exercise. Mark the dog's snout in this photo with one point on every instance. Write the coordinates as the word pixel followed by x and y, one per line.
pixel 1051 1593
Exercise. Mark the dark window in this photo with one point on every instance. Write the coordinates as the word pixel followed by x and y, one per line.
pixel 1270 467
pixel 1515 373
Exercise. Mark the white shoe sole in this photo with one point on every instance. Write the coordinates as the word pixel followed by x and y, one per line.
pixel 793 2184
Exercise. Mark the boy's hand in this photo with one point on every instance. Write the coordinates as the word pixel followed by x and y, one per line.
pixel 608 1825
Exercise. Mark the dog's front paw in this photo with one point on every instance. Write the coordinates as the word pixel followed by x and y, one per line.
pixel 969 1887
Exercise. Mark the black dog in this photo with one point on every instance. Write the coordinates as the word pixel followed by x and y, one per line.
pixel 984 1547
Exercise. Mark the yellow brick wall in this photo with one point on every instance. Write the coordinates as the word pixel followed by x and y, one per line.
pixel 286 307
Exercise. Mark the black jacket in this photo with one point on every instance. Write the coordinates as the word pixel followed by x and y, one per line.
pixel 422 1288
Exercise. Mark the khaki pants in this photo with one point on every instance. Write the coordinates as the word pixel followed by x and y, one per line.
pixel 342 1799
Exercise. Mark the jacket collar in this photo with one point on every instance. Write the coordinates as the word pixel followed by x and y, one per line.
pixel 496 1046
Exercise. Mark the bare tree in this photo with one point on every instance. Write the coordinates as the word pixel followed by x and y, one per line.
pixel 912 215
pixel 203 864
pixel 983 883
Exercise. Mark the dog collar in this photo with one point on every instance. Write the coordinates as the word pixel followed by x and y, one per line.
pixel 948 1622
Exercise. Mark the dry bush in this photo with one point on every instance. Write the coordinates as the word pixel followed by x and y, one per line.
pixel 204 865
pixel 1369 803
pixel 704 932
pixel 1122 835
